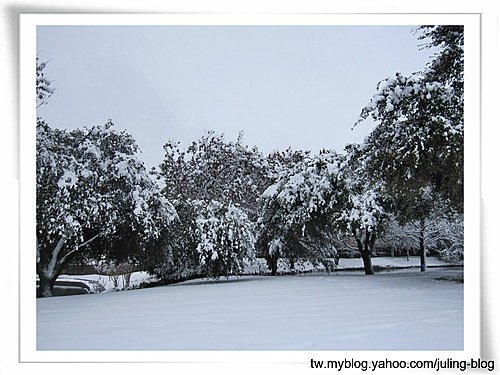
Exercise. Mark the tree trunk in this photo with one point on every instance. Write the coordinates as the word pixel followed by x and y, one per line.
pixel 51 263
pixel 392 251
pixel 371 238
pixel 274 268
pixel 115 280
pixel 46 285
pixel 423 258
pixel 126 281
pixel 292 265
pixel 367 263
pixel 50 267
pixel 365 252
pixel 272 263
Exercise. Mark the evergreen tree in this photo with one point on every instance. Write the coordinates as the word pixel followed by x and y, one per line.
pixel 212 168
pixel 299 211
pixel 416 149
pixel 225 239
pixel 363 215
pixel 95 199
pixel 214 185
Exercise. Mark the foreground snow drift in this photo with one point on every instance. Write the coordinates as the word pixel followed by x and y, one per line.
pixel 396 310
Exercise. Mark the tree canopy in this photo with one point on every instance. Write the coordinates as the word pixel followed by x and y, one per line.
pixel 91 188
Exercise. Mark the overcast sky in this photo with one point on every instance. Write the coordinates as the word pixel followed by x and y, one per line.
pixel 299 86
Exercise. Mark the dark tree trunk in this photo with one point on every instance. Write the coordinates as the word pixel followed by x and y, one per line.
pixel 365 252
pixel 370 242
pixel 421 244
pixel 272 263
pixel 292 264
pixel 274 268
pixel 371 238
pixel 47 281
pixel 367 263
pixel 46 285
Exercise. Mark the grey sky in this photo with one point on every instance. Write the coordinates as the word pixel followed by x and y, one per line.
pixel 299 86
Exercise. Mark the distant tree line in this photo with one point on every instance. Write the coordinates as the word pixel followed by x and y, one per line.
pixel 210 206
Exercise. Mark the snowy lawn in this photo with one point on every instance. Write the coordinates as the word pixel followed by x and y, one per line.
pixel 103 283
pixel 346 310
pixel 259 265
pixel 388 262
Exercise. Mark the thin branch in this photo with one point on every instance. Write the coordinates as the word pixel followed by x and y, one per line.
pixel 343 242
pixel 78 247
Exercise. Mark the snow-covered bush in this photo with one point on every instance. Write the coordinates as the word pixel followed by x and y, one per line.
pixel 117 271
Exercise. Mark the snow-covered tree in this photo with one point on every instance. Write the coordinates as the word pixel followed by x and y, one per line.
pixel 362 216
pixel 447 65
pixel 174 257
pixel 299 210
pixel 214 185
pixel 225 239
pixel 94 199
pixel 280 162
pixel 213 168
pixel 44 89
pixel 441 234
pixel 450 238
pixel 416 149
pixel 210 239
pixel 418 141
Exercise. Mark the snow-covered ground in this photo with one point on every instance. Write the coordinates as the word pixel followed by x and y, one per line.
pixel 388 262
pixel 259 265
pixel 102 283
pixel 397 310
pixel 106 283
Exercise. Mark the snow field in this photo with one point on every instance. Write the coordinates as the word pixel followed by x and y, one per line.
pixel 401 310
pixel 258 266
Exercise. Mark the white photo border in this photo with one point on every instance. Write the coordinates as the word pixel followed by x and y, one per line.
pixel 472 223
